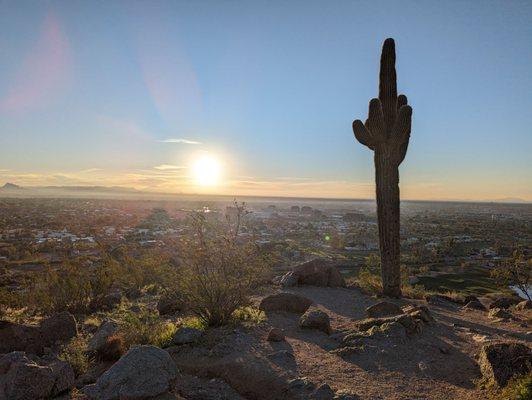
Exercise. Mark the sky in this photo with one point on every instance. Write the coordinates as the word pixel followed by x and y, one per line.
pixel 137 93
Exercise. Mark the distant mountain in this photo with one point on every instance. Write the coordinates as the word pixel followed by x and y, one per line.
pixel 11 186
pixel 510 200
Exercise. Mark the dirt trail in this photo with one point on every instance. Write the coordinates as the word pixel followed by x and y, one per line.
pixel 437 364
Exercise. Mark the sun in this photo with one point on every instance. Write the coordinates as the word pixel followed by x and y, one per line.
pixel 206 171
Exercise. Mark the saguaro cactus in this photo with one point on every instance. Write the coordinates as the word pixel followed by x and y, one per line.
pixel 387 132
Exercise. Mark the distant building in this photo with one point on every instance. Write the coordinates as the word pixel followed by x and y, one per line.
pixel 295 209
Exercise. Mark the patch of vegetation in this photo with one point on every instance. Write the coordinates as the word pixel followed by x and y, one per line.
pixel 75 353
pixel 145 328
pixel 517 388
pixel 249 314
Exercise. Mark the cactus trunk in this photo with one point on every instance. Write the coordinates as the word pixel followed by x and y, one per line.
pixel 387 187
pixel 387 133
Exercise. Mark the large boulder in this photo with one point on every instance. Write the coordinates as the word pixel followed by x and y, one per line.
pixel 285 302
pixel 59 327
pixel 316 273
pixel 316 319
pixel 107 329
pixel 499 362
pixel 18 337
pixel 383 309
pixel 142 373
pixel 23 377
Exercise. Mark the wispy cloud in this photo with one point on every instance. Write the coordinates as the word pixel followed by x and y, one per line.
pixel 90 170
pixel 180 140
pixel 168 167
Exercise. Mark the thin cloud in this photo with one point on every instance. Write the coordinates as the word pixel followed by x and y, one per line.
pixel 168 167
pixel 181 140
pixel 89 170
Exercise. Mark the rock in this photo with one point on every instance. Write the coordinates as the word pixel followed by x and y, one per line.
pixel 59 327
pixel 469 298
pixel 18 337
pixel 316 319
pixel 99 339
pixel 275 335
pixel 393 330
pixel 64 376
pixel 318 273
pixel 300 386
pixel 285 302
pixel 186 335
pixel 383 309
pixel 495 313
pixel 25 378
pixel 169 304
pixel 107 302
pixel 475 305
pixel 324 392
pixel 289 280
pixel 499 362
pixel 504 302
pixel 419 312
pixel 142 373
pixel 524 305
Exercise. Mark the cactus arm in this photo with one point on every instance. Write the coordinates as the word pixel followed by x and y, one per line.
pixel 362 134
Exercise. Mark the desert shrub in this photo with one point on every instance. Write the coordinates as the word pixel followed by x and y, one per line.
pixel 193 322
pixel 218 268
pixel 518 388
pixel 249 314
pixel 146 328
pixel 368 281
pixel 75 353
pixel 113 348
pixel 65 290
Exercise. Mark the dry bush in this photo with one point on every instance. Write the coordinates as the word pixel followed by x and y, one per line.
pixel 218 269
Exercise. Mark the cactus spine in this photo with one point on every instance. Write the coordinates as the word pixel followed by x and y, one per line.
pixel 387 132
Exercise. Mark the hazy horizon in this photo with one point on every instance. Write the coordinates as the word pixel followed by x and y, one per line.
pixel 257 99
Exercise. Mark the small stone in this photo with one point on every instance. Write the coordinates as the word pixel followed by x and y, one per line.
pixel 316 319
pixel 276 335
pixel 186 335
pixel 324 392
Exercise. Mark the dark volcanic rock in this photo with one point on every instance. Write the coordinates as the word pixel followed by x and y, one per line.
pixel 316 319
pixel 285 302
pixel 499 362
pixel 318 273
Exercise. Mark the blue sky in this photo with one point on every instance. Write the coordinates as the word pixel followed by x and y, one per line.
pixel 90 93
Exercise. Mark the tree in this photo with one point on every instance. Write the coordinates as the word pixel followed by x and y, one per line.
pixel 387 133
pixel 516 272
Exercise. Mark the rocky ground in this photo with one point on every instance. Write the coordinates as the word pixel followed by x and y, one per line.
pixel 314 343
